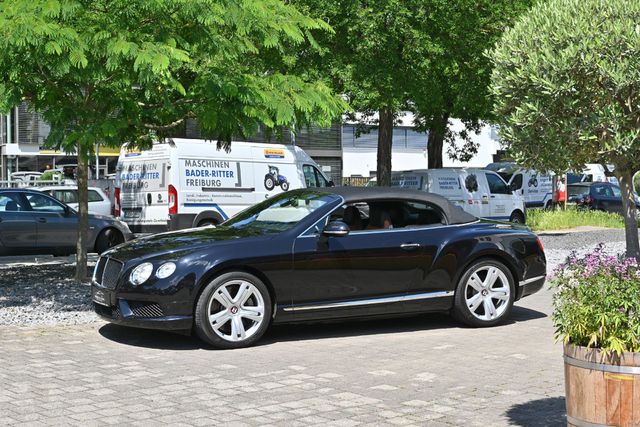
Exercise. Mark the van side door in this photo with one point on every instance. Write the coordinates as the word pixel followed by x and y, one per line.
pixel 500 197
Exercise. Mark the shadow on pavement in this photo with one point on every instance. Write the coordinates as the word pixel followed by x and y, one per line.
pixel 549 412
pixel 303 331
pixel 149 338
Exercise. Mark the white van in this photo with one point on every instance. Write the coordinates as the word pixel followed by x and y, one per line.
pixel 480 192
pixel 535 188
pixel 190 183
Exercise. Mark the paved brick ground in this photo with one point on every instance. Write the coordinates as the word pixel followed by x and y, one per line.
pixel 418 371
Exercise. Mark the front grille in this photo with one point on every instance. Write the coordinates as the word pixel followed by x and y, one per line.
pixel 110 312
pixel 107 272
pixel 145 309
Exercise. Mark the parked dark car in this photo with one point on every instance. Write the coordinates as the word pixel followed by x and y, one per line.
pixel 601 196
pixel 32 222
pixel 312 254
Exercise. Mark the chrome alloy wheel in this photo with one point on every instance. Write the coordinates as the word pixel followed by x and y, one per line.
pixel 487 293
pixel 236 310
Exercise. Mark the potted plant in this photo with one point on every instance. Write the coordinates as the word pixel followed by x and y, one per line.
pixel 597 316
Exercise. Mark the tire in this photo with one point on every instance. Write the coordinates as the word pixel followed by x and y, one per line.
pixel 466 294
pixel 207 222
pixel 549 205
pixel 284 186
pixel 516 217
pixel 269 182
pixel 107 239
pixel 220 298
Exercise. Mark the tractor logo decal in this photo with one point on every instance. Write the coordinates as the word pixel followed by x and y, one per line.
pixel 273 179
pixel 533 181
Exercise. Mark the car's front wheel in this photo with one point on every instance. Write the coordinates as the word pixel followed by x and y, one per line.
pixel 233 311
pixel 485 294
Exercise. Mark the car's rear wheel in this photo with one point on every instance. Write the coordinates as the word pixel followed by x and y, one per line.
pixel 485 294
pixel 107 239
pixel 233 311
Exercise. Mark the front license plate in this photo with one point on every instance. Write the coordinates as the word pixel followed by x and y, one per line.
pixel 101 297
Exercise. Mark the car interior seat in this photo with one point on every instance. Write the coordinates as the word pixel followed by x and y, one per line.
pixel 399 216
pixel 429 217
pixel 11 206
pixel 352 218
pixel 378 219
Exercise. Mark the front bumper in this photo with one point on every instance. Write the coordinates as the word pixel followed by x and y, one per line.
pixel 138 314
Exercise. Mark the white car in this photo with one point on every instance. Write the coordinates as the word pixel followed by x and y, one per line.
pixel 99 202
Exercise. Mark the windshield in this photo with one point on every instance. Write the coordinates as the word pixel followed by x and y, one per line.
pixel 281 212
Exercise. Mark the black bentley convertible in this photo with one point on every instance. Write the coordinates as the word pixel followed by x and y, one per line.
pixel 330 253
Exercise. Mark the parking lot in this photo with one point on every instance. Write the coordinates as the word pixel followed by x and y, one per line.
pixel 425 370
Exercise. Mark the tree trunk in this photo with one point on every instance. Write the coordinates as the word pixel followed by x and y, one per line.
pixel 435 143
pixel 625 177
pixel 385 141
pixel 83 216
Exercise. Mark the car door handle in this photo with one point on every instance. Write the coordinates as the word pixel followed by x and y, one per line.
pixel 42 219
pixel 410 246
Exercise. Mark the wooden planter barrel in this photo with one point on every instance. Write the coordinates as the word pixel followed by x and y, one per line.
pixel 601 390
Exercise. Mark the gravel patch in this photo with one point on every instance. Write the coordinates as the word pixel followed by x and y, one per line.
pixel 43 294
pixel 40 291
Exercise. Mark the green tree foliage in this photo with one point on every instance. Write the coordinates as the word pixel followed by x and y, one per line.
pixel 566 82
pixel 116 71
pixel 424 56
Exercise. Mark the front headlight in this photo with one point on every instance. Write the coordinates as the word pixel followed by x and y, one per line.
pixel 141 273
pixel 165 270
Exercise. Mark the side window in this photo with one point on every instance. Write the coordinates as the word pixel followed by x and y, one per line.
pixel 11 203
pixel 616 192
pixel 94 196
pixel 380 215
pixel 496 184
pixel 599 190
pixel 66 196
pixel 309 176
pixel 516 182
pixel 322 182
pixel 42 203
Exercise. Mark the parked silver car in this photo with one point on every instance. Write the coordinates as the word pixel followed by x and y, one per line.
pixel 32 222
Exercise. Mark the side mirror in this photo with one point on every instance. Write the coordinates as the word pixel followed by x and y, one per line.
pixel 336 229
pixel 67 211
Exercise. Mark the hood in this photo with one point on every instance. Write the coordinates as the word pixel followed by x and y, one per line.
pixel 178 241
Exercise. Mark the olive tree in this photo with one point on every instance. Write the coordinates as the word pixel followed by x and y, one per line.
pixel 115 72
pixel 566 86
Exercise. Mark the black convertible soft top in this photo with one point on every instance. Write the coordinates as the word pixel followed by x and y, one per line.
pixel 455 214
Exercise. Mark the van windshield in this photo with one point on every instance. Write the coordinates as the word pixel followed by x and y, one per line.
pixel 280 213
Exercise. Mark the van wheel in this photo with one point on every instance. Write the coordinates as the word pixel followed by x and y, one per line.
pixel 207 222
pixel 549 205
pixel 107 239
pixel 269 183
pixel 285 186
pixel 517 217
